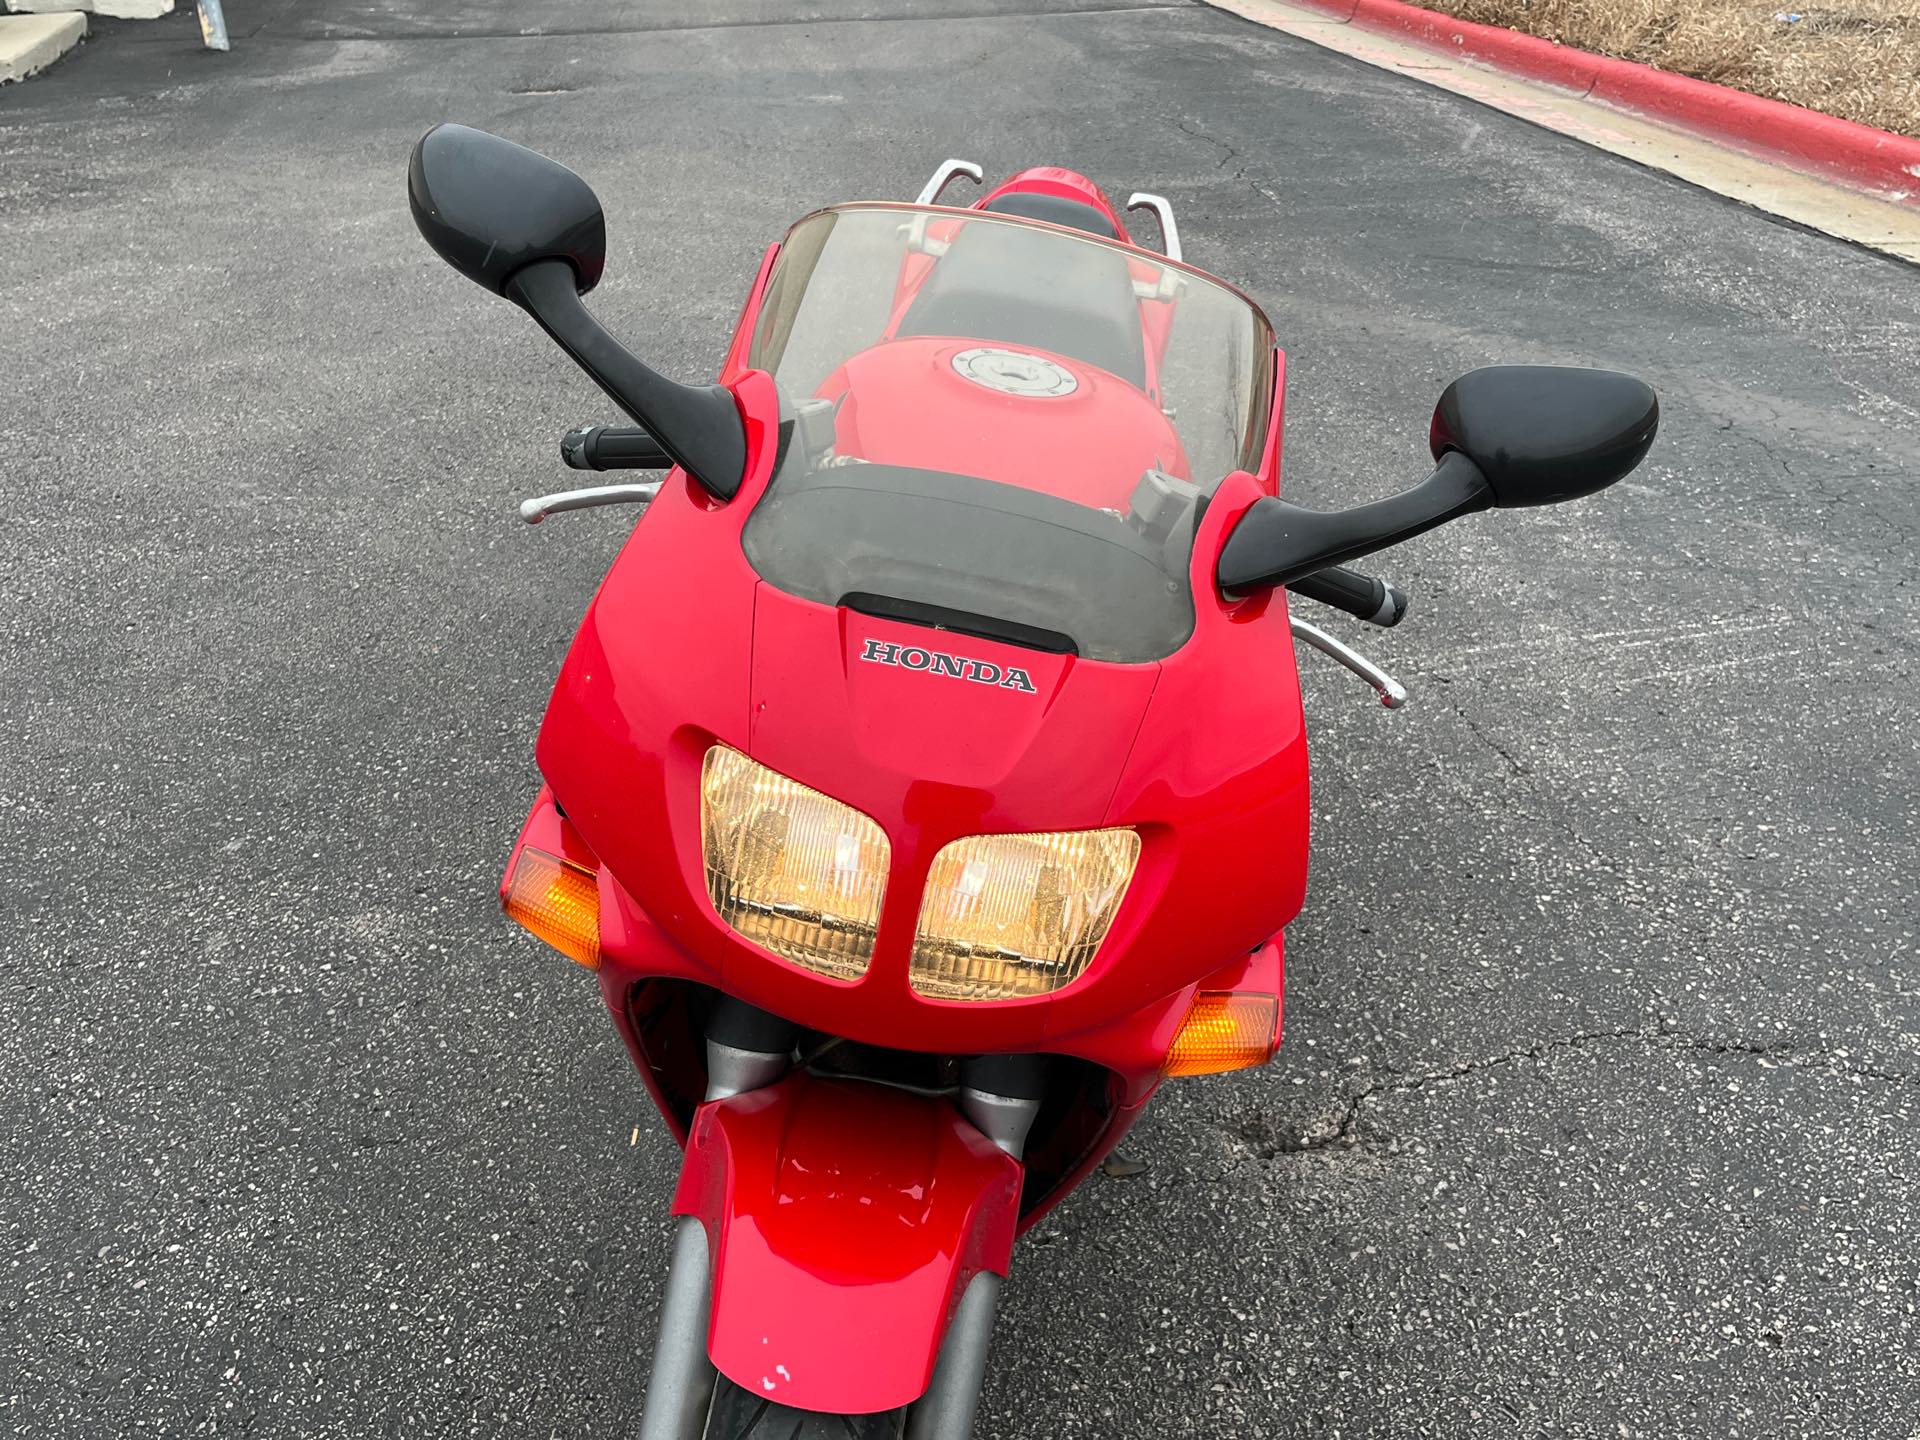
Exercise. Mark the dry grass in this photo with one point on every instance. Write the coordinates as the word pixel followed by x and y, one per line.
pixel 1859 59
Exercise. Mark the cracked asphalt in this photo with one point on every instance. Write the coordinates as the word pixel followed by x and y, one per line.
pixel 1597 1110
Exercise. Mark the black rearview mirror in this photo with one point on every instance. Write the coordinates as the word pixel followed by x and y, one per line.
pixel 1545 433
pixel 491 207
pixel 1508 436
pixel 528 228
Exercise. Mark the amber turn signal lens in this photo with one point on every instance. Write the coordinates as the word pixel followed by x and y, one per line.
pixel 1225 1031
pixel 558 901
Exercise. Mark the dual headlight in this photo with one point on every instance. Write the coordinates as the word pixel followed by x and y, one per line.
pixel 1002 916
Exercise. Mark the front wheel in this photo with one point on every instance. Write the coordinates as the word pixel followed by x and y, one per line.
pixel 739 1414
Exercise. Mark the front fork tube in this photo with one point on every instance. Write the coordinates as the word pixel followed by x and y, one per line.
pixel 945 1412
pixel 680 1390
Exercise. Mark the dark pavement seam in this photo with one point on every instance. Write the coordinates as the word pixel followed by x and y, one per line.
pixel 1342 1129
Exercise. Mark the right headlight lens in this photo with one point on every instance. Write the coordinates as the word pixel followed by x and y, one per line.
pixel 789 868
pixel 1005 916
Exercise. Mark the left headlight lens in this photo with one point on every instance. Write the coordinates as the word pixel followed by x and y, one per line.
pixel 1005 916
pixel 791 869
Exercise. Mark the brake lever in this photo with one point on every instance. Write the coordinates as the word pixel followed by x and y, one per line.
pixel 541 506
pixel 1392 693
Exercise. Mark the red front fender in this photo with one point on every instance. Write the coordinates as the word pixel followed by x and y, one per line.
pixel 844 1220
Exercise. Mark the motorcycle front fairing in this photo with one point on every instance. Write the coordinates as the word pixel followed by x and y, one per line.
pixel 965 589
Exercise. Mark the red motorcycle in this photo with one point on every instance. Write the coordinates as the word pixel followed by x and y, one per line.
pixel 927 780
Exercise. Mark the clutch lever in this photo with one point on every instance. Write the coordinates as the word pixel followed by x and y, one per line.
pixel 1392 693
pixel 541 506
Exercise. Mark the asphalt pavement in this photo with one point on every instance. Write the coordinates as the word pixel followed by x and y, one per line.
pixel 1597 1114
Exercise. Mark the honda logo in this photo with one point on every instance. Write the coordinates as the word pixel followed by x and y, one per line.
pixel 953 667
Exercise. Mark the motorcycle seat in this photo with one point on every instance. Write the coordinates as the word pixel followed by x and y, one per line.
pixel 1055 210
pixel 1025 287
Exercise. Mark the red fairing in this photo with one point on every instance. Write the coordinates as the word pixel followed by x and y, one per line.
pixel 845 1221
pixel 684 646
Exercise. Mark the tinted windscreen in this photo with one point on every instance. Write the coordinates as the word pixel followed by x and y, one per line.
pixel 1000 426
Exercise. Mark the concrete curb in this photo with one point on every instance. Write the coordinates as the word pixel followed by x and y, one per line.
pixel 112 9
pixel 33 42
pixel 1875 160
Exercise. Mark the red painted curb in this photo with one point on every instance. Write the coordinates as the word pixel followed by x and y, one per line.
pixel 1840 149
pixel 1528 55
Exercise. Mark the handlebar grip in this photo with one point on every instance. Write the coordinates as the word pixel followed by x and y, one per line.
pixel 609 447
pixel 1364 597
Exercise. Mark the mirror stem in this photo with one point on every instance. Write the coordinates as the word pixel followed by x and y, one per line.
pixel 1276 543
pixel 697 425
